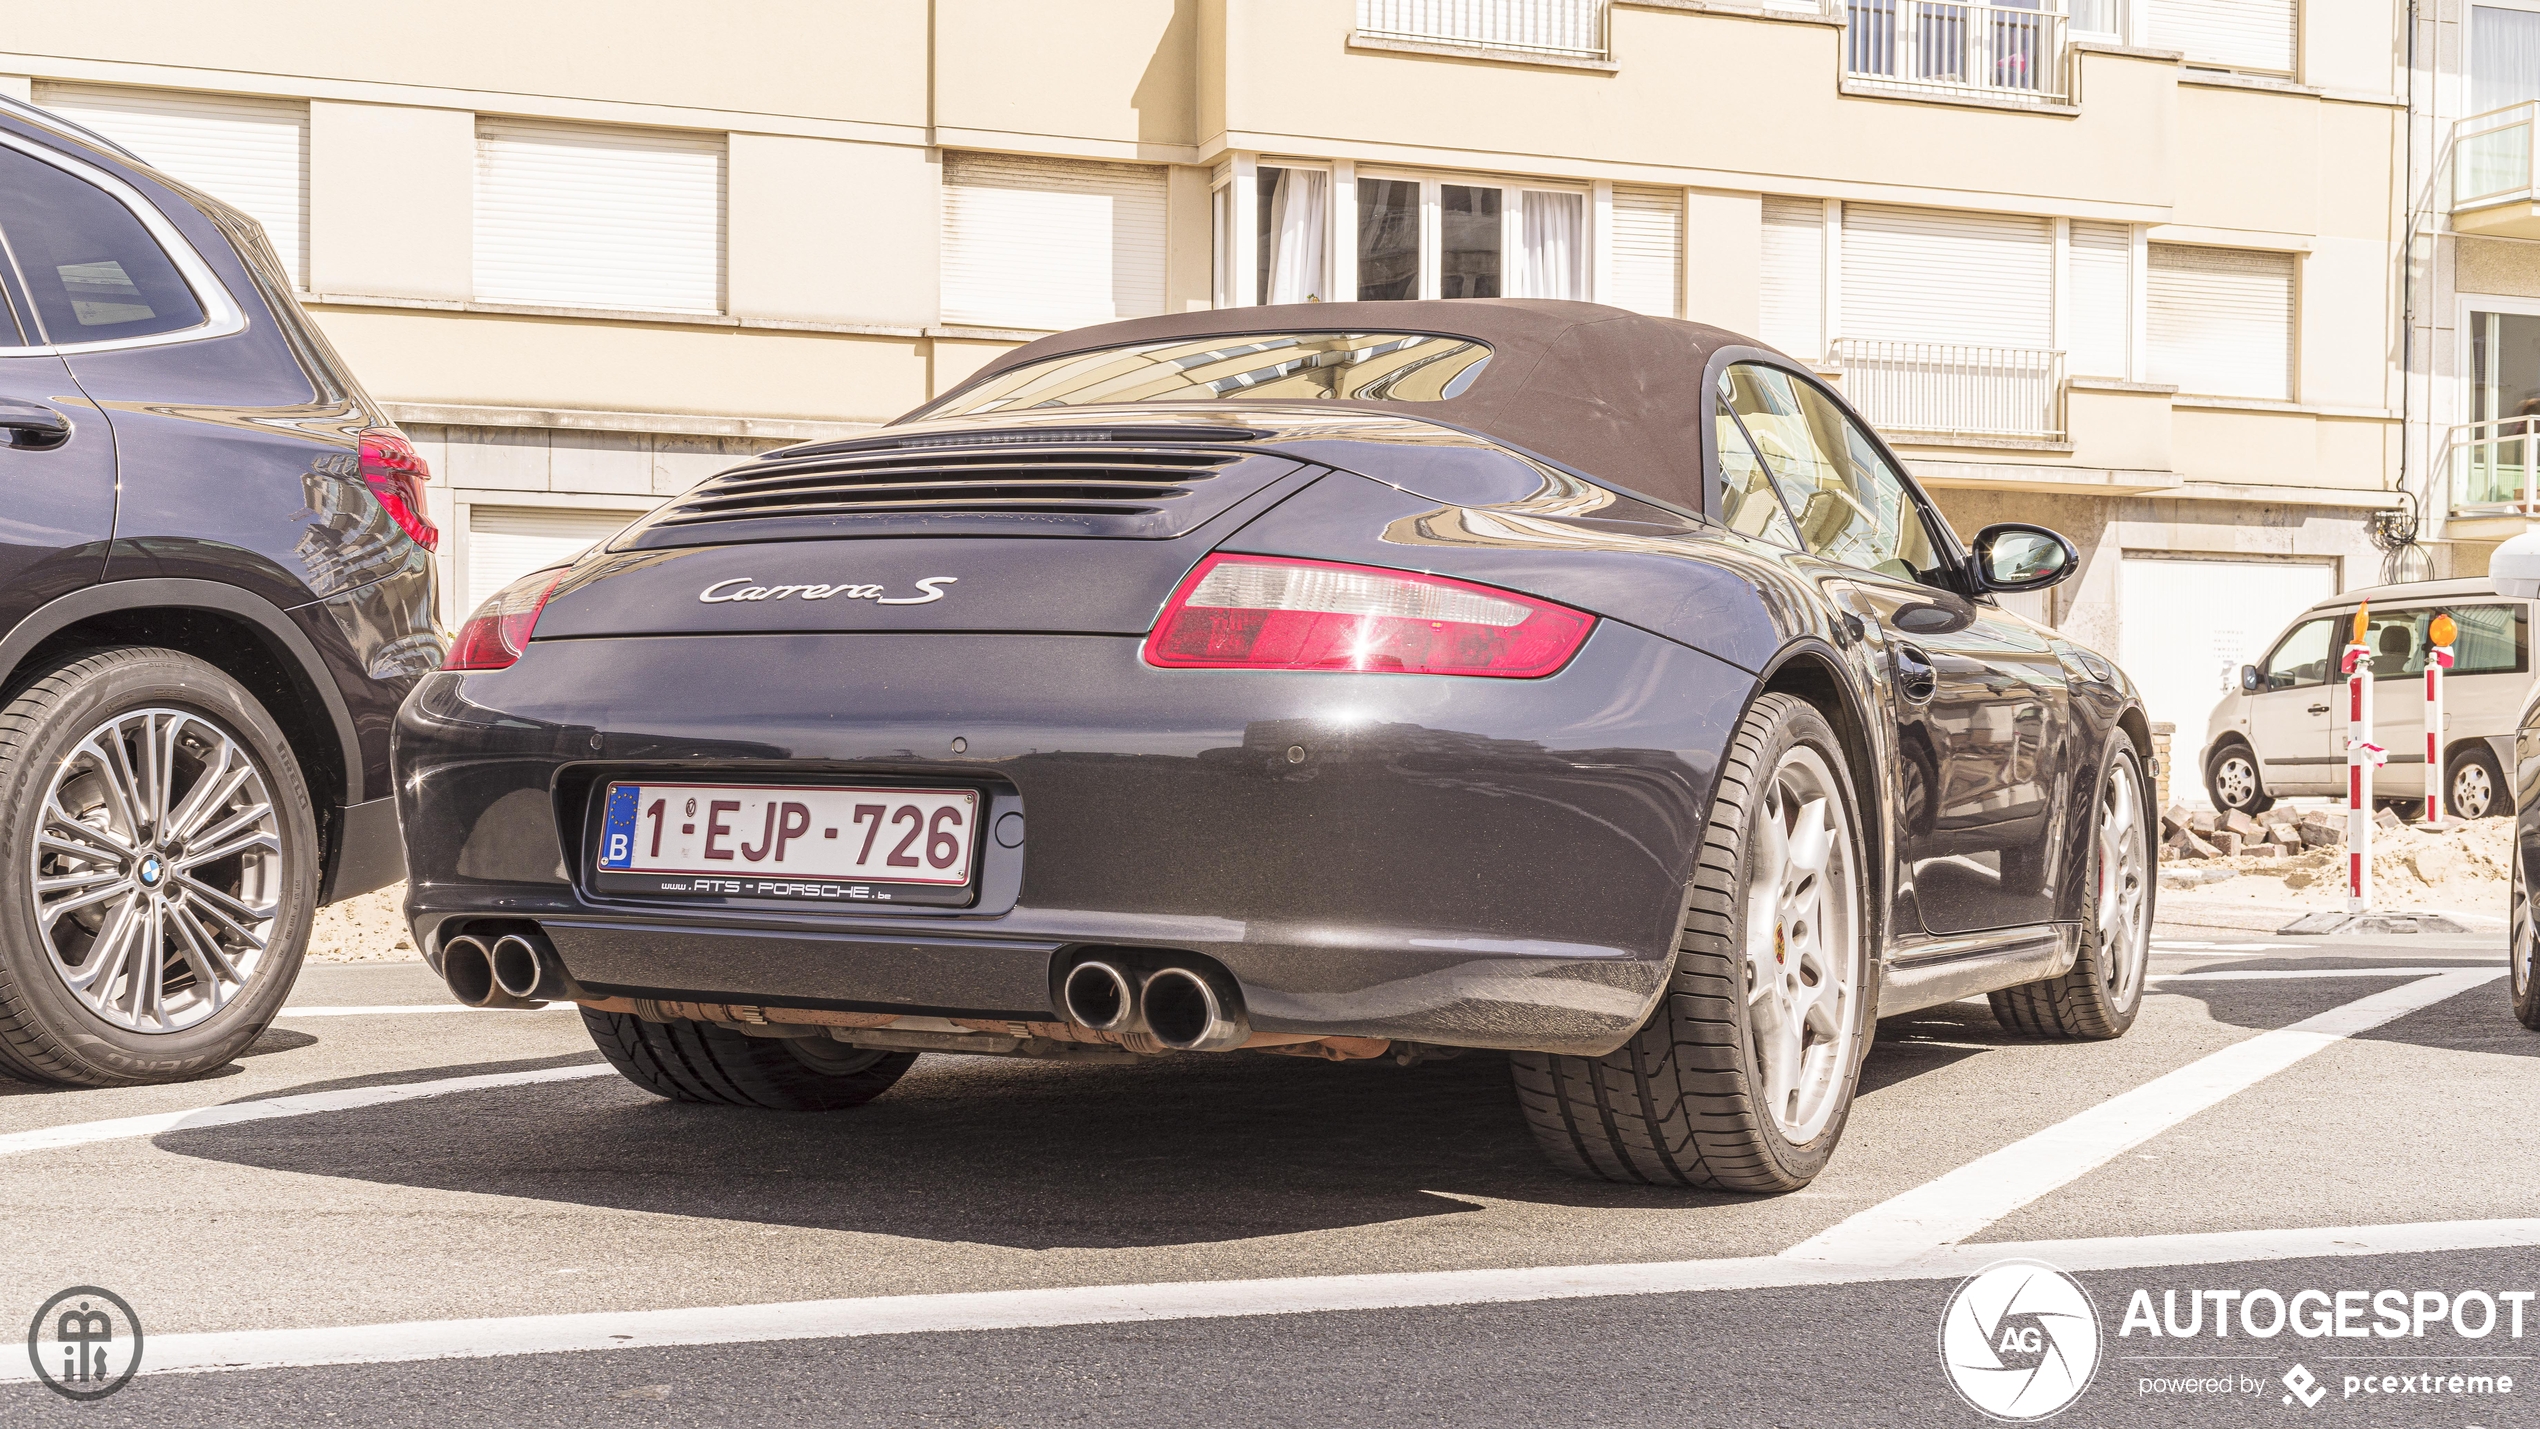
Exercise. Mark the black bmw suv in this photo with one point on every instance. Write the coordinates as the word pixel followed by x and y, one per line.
pixel 215 588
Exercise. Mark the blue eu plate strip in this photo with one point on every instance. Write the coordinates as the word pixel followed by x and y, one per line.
pixel 617 826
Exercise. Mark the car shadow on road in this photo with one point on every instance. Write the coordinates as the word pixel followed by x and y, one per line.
pixel 970 1149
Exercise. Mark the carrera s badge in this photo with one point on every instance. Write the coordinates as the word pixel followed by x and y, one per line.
pixel 930 588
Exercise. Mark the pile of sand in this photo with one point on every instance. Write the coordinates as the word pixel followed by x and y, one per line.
pixel 368 929
pixel 2459 868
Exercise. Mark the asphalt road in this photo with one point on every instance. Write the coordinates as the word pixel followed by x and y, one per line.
pixel 1257 1240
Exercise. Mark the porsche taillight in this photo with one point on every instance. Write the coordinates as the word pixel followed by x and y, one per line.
pixel 1274 613
pixel 495 635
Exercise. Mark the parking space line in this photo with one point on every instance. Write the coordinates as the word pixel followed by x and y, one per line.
pixel 84 1133
pixel 1222 1299
pixel 1947 1210
pixel 2266 974
pixel 396 1008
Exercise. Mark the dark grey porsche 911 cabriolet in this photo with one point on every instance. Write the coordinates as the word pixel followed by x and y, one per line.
pixel 1349 680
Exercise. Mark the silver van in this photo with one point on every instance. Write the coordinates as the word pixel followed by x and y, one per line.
pixel 2282 734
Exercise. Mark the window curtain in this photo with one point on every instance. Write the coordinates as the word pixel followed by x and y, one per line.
pixel 2504 57
pixel 1297 231
pixel 1552 249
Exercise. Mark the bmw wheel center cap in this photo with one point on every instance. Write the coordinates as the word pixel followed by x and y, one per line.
pixel 151 869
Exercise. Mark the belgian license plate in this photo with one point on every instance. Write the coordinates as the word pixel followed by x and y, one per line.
pixel 762 836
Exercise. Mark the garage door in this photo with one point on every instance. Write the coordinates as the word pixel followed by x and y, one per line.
pixel 2186 624
pixel 505 543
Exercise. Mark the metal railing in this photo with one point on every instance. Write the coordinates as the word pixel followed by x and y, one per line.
pixel 2493 469
pixel 1570 28
pixel 2491 157
pixel 1946 387
pixel 1942 47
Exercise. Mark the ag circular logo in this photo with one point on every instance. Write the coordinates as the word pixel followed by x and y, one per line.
pixel 2020 1340
pixel 85 1343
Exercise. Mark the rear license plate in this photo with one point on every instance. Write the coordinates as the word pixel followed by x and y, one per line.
pixel 745 840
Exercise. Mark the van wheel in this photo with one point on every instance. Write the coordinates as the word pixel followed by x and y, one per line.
pixel 2473 785
pixel 2231 780
pixel 161 859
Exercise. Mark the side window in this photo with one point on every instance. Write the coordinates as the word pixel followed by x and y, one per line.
pixel 1850 506
pixel 2396 639
pixel 90 269
pixel 2494 640
pixel 2303 656
pixel 1747 501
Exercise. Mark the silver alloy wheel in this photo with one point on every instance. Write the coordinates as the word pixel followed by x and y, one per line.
pixel 1803 945
pixel 2125 932
pixel 2473 793
pixel 2524 940
pixel 2235 780
pixel 158 870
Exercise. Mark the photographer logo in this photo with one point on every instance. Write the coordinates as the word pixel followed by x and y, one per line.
pixel 2019 1341
pixel 85 1343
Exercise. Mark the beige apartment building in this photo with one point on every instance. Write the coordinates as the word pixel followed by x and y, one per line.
pixel 2133 268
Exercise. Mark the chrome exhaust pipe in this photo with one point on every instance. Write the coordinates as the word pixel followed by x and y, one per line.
pixel 1100 996
pixel 1193 1011
pixel 527 970
pixel 468 967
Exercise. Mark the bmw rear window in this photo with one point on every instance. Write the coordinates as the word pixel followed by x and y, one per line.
pixel 1283 367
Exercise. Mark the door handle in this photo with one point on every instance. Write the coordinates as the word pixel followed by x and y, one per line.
pixel 2318 709
pixel 32 425
pixel 1915 677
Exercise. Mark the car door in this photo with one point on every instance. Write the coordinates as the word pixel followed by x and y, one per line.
pixel 2293 721
pixel 1978 698
pixel 57 454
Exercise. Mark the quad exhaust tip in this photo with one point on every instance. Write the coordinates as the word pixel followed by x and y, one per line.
pixel 1183 1009
pixel 468 967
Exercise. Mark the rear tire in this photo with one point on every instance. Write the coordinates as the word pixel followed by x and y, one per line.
pixel 2231 780
pixel 2099 997
pixel 2474 785
pixel 1774 955
pixel 700 1062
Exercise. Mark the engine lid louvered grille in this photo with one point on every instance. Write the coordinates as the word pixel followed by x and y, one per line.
pixel 1008 483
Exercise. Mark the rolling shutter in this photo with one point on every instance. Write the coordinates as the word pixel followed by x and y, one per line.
pixel 1791 306
pixel 2220 321
pixel 252 154
pixel 1051 243
pixel 1929 275
pixel 505 543
pixel 2101 312
pixel 2238 34
pixel 588 217
pixel 1649 226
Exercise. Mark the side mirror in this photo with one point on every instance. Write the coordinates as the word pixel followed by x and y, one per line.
pixel 2010 556
pixel 2515 568
pixel 2251 680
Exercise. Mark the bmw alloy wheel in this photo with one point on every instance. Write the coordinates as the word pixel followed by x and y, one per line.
pixel 1803 946
pixel 158 870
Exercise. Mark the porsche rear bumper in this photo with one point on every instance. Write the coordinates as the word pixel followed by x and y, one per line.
pixel 1473 862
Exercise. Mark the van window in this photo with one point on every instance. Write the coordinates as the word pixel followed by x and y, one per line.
pixel 2493 640
pixel 2302 657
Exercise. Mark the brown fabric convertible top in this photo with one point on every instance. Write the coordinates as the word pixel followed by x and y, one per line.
pixel 1610 393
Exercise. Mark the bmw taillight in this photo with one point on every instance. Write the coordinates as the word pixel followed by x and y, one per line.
pixel 500 629
pixel 398 477
pixel 1272 613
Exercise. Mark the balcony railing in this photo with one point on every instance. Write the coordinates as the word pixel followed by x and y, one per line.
pixel 1948 388
pixel 1573 29
pixel 2492 467
pixel 1943 48
pixel 2491 157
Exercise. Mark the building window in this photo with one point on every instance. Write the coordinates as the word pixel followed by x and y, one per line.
pixel 1947 321
pixel 587 217
pixel 1293 215
pixel 1568 28
pixel 2253 35
pixel 1051 243
pixel 1388 239
pixel 1791 307
pixel 2100 267
pixel 2504 57
pixel 1648 248
pixel 252 154
pixel 2491 453
pixel 1468 241
pixel 2220 321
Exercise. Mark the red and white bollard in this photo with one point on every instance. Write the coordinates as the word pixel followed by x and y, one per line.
pixel 2362 758
pixel 2438 658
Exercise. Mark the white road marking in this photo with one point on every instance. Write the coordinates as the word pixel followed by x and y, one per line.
pixel 2263 974
pixel 1220 1299
pixel 1940 1212
pixel 122 1128
pixel 394 1009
